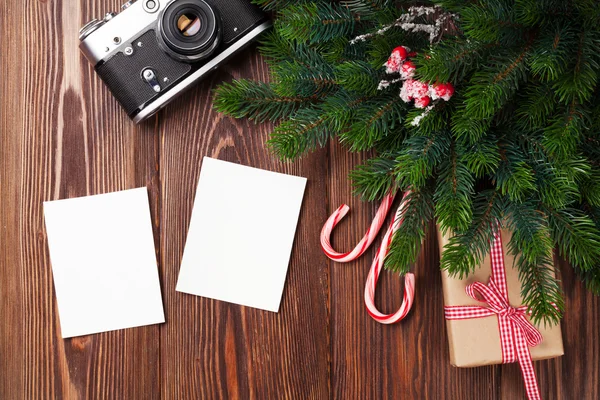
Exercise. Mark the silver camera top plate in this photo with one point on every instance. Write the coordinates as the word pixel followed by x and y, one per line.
pixel 130 22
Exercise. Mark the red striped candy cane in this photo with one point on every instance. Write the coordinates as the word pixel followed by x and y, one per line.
pixel 365 242
pixel 409 279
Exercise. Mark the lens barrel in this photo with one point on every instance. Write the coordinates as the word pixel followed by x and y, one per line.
pixel 178 42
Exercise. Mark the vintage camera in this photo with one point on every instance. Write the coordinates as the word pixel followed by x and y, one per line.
pixel 155 49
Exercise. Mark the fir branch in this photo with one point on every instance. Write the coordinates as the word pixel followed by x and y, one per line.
pixel 514 176
pixel 576 236
pixel 379 48
pixel 561 137
pixel 532 248
pixel 556 182
pixel 579 83
pixel 256 100
pixel 299 79
pixel 419 157
pixel 407 241
pixel 305 131
pixel 454 189
pixel 451 60
pixel 515 180
pixel 277 49
pixel 375 178
pixel 311 128
pixel 539 12
pixel 315 22
pixel 368 6
pixel 278 4
pixel 536 106
pixel 375 119
pixel 465 251
pixel 588 11
pixel 549 54
pixel 520 134
pixel 591 276
pixel 501 76
pixel 466 129
pixel 555 189
pixel 341 108
pixel 589 187
pixel 483 156
pixel 494 85
pixel 433 118
pixel 357 76
pixel 490 23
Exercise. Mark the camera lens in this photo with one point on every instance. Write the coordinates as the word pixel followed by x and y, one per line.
pixel 189 30
pixel 189 24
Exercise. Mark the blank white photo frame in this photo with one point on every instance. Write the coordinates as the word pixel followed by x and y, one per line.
pixel 241 234
pixel 103 262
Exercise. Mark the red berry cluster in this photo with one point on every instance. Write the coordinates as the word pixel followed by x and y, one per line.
pixel 421 92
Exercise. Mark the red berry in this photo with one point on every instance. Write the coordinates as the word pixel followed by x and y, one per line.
pixel 422 102
pixel 408 69
pixel 394 63
pixel 449 89
pixel 442 91
pixel 420 89
pixel 401 52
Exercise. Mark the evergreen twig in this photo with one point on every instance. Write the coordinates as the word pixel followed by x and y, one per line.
pixel 518 145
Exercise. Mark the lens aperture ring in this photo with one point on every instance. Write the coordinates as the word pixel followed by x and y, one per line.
pixel 176 41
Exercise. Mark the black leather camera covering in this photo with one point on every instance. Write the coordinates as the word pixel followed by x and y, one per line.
pixel 238 17
pixel 123 74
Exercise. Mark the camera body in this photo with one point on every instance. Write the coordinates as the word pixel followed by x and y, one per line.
pixel 155 49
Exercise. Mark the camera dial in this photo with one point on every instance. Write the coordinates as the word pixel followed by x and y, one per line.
pixel 189 30
pixel 151 6
pixel 90 27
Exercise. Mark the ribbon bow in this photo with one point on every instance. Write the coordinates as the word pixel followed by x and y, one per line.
pixel 497 304
pixel 517 334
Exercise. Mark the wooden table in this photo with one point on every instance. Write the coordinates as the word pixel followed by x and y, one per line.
pixel 63 135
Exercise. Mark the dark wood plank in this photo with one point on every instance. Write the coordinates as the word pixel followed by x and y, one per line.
pixel 213 349
pixel 12 330
pixel 62 136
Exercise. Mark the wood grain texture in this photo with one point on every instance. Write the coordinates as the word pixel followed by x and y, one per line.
pixel 232 351
pixel 63 135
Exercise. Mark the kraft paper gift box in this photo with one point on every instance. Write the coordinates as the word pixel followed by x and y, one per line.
pixel 476 341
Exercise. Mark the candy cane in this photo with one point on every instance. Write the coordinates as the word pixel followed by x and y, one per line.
pixel 365 242
pixel 409 279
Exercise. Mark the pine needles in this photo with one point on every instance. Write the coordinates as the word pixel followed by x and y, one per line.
pixel 519 143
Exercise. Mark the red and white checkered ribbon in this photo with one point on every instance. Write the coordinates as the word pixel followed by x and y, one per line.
pixel 362 246
pixel 516 332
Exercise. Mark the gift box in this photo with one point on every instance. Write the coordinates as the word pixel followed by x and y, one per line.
pixel 475 340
